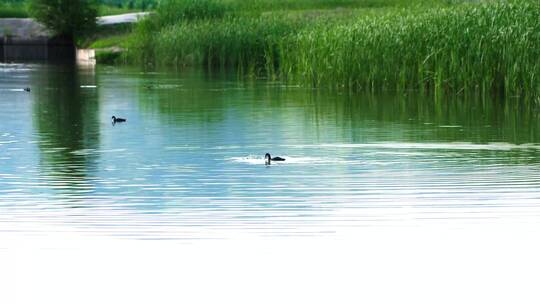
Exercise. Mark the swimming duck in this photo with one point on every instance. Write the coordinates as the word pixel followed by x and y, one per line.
pixel 268 158
pixel 115 119
pixel 27 89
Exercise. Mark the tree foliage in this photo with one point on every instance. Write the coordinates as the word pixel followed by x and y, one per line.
pixel 70 19
pixel 132 4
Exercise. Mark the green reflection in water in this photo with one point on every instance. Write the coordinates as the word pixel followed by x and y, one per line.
pixel 301 116
pixel 65 118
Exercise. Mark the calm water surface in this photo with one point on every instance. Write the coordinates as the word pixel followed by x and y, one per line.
pixel 189 161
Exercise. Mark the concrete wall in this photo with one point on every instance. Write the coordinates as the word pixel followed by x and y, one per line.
pixel 36 49
pixel 86 56
pixel 61 51
pixel 25 49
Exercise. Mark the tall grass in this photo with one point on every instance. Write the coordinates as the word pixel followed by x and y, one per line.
pixel 280 5
pixel 490 47
pixel 226 43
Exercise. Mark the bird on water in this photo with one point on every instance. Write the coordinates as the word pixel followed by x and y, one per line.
pixel 268 159
pixel 27 89
pixel 117 119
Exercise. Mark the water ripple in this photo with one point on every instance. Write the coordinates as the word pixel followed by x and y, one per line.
pixel 189 161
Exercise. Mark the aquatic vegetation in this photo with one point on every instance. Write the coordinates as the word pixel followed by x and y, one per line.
pixel 107 56
pixel 490 48
pixel 226 43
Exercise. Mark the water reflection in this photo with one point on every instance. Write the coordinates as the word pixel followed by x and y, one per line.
pixel 188 162
pixel 275 113
pixel 66 122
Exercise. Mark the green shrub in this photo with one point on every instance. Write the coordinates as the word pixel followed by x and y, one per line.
pixel 108 57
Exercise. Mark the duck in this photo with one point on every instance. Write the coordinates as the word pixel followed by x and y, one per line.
pixel 268 158
pixel 117 119
pixel 26 89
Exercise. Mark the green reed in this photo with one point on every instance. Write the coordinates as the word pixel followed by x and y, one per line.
pixel 468 48
pixel 490 48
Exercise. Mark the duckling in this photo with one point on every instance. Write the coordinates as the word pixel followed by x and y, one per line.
pixel 117 119
pixel 268 159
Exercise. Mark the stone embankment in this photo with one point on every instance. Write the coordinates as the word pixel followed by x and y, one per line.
pixel 23 39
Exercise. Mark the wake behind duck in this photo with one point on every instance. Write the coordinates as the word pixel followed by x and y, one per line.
pixel 268 159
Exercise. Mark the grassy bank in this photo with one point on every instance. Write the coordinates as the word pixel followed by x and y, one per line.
pixel 106 10
pixel 434 46
pixel 13 10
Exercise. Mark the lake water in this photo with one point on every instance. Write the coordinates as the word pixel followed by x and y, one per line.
pixel 188 163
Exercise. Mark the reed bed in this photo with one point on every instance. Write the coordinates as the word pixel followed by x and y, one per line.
pixel 491 48
pixel 488 48
pixel 224 44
